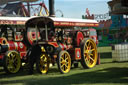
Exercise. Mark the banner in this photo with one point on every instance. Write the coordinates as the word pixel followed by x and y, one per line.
pixel 101 16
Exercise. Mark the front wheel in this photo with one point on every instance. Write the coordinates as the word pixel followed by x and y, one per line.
pixel 42 64
pixel 64 62
pixel 89 53
pixel 12 62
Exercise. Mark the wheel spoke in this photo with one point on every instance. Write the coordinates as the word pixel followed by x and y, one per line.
pixel 9 61
pixel 66 66
pixel 92 50
pixel 90 47
pixel 9 58
pixel 91 54
pixel 91 58
pixel 62 58
pixel 89 43
pixel 12 62
pixel 66 59
pixel 15 59
pixel 12 55
pixel 85 54
pixel 45 59
pixel 86 46
pixel 64 62
pixel 44 65
pixel 87 60
pixel 62 65
pixel 9 66
pixel 65 56
pixel 86 51
pixel 67 63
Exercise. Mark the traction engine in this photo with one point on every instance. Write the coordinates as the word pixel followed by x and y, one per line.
pixel 12 48
pixel 62 41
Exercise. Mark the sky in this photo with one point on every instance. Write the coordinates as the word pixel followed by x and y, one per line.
pixel 77 8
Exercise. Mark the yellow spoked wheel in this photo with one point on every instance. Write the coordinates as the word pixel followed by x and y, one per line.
pixel 64 62
pixel 12 62
pixel 43 64
pixel 89 53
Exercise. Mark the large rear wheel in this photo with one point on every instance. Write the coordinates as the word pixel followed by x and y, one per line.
pixel 42 64
pixel 89 53
pixel 12 62
pixel 64 62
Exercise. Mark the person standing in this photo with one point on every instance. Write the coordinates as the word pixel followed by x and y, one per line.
pixel 33 54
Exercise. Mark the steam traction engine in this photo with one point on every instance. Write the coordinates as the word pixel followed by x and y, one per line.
pixel 62 40
pixel 13 48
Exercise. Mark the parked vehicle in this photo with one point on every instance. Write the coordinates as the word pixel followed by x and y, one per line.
pixel 13 48
pixel 63 41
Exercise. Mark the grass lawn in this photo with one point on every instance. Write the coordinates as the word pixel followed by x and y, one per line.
pixel 107 73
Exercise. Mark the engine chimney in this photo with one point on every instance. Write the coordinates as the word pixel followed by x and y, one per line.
pixel 51 8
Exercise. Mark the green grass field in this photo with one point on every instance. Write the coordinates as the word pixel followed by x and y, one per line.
pixel 107 73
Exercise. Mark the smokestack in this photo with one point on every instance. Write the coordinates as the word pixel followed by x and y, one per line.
pixel 51 8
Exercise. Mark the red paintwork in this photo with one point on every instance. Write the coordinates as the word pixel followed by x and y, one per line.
pixel 79 38
pixel 1 56
pixel 53 44
pixel 65 47
pixel 77 53
pixel 19 46
pixel 18 37
pixel 32 36
pixel 22 54
pixel 62 46
pixel 81 24
pixel 12 22
pixel 11 45
pixel 3 39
